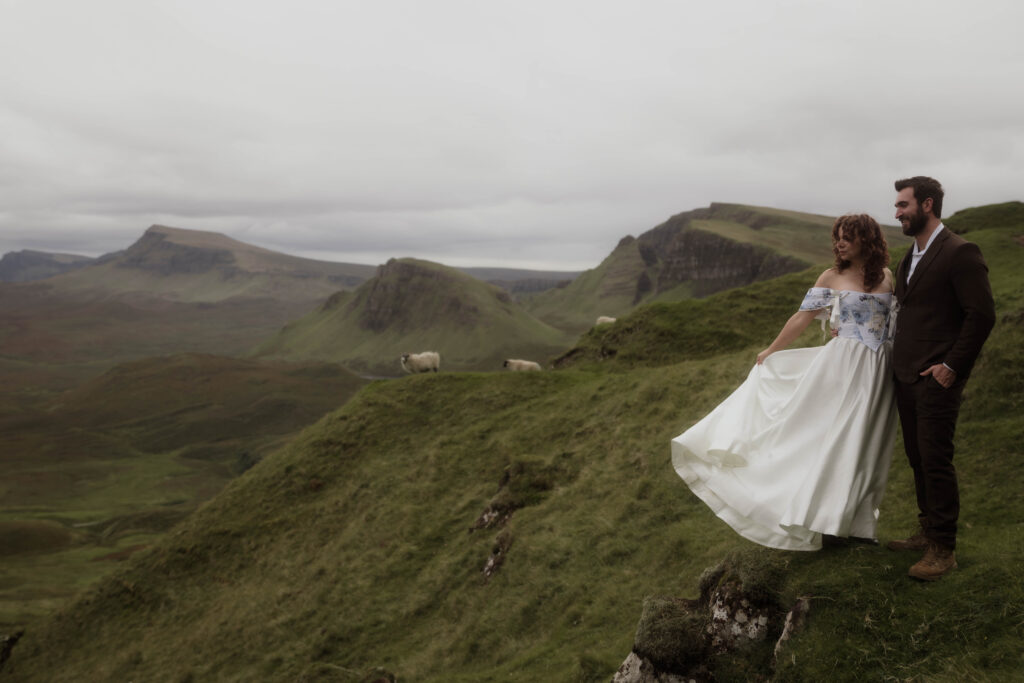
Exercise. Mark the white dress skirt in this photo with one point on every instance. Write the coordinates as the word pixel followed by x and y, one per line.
pixel 802 448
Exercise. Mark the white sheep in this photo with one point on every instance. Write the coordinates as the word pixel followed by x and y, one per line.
pixel 604 319
pixel 421 362
pixel 516 365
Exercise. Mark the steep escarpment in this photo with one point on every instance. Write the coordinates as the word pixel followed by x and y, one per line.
pixel 707 262
pixel 691 255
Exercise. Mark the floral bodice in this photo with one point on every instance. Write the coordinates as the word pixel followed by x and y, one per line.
pixel 856 315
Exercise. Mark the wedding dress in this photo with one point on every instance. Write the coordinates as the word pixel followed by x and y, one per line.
pixel 802 447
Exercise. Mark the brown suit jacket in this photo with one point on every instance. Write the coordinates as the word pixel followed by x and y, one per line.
pixel 946 311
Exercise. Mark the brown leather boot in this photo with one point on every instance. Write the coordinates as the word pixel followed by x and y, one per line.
pixel 916 542
pixel 938 561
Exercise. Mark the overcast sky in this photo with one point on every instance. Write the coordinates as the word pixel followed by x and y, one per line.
pixel 476 132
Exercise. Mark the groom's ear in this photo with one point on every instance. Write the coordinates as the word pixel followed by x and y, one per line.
pixel 927 205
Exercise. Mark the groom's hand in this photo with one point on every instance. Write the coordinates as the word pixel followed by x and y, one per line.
pixel 942 375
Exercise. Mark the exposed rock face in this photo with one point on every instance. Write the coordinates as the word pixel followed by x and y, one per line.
pixel 735 620
pixel 680 253
pixel 28 265
pixel 713 263
pixel 502 543
pixel 154 252
pixel 403 291
pixel 686 640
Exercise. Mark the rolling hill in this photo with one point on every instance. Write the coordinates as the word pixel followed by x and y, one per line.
pixel 412 306
pixel 507 527
pixel 692 255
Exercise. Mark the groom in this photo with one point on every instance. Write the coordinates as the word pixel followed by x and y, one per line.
pixel 945 314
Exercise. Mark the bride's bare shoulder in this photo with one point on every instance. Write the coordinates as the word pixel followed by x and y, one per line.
pixel 887 281
pixel 826 278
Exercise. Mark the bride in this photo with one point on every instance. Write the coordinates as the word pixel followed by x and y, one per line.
pixel 802 448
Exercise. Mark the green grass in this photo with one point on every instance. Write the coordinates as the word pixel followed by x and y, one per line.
pixel 132 452
pixel 351 548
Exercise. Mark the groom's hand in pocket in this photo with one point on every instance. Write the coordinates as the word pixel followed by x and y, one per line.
pixel 943 375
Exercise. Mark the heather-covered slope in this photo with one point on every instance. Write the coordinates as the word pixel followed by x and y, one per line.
pixel 364 543
pixel 412 306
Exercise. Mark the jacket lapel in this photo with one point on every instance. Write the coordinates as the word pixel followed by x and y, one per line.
pixel 926 260
pixel 900 286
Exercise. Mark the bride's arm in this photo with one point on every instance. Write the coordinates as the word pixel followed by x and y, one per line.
pixel 796 324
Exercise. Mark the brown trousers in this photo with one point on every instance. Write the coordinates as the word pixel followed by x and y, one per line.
pixel 928 415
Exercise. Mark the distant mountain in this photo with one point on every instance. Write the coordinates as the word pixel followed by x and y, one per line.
pixel 692 255
pixel 27 265
pixel 519 281
pixel 171 291
pixel 412 306
pixel 198 266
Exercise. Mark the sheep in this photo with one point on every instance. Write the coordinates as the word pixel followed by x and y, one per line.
pixel 421 362
pixel 516 365
pixel 604 319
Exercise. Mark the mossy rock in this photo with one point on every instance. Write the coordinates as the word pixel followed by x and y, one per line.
pixel 671 634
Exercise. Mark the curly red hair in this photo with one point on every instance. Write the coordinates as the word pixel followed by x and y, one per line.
pixel 874 250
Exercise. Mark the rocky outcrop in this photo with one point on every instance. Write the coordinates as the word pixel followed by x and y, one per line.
pixel 404 291
pixel 689 640
pixel 712 263
pixel 677 252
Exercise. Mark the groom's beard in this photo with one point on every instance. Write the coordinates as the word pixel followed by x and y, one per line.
pixel 915 224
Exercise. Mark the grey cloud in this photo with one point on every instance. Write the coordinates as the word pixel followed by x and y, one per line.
pixel 457 130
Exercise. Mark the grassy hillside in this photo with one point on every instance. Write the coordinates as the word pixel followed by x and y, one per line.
pixel 412 306
pixel 364 543
pixel 693 254
pixel 108 467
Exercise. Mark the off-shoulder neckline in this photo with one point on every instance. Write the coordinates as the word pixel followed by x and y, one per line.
pixel 854 291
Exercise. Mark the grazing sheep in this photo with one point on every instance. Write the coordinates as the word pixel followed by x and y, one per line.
pixel 604 319
pixel 521 365
pixel 421 362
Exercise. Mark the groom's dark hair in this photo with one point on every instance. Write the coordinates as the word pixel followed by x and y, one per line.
pixel 925 188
